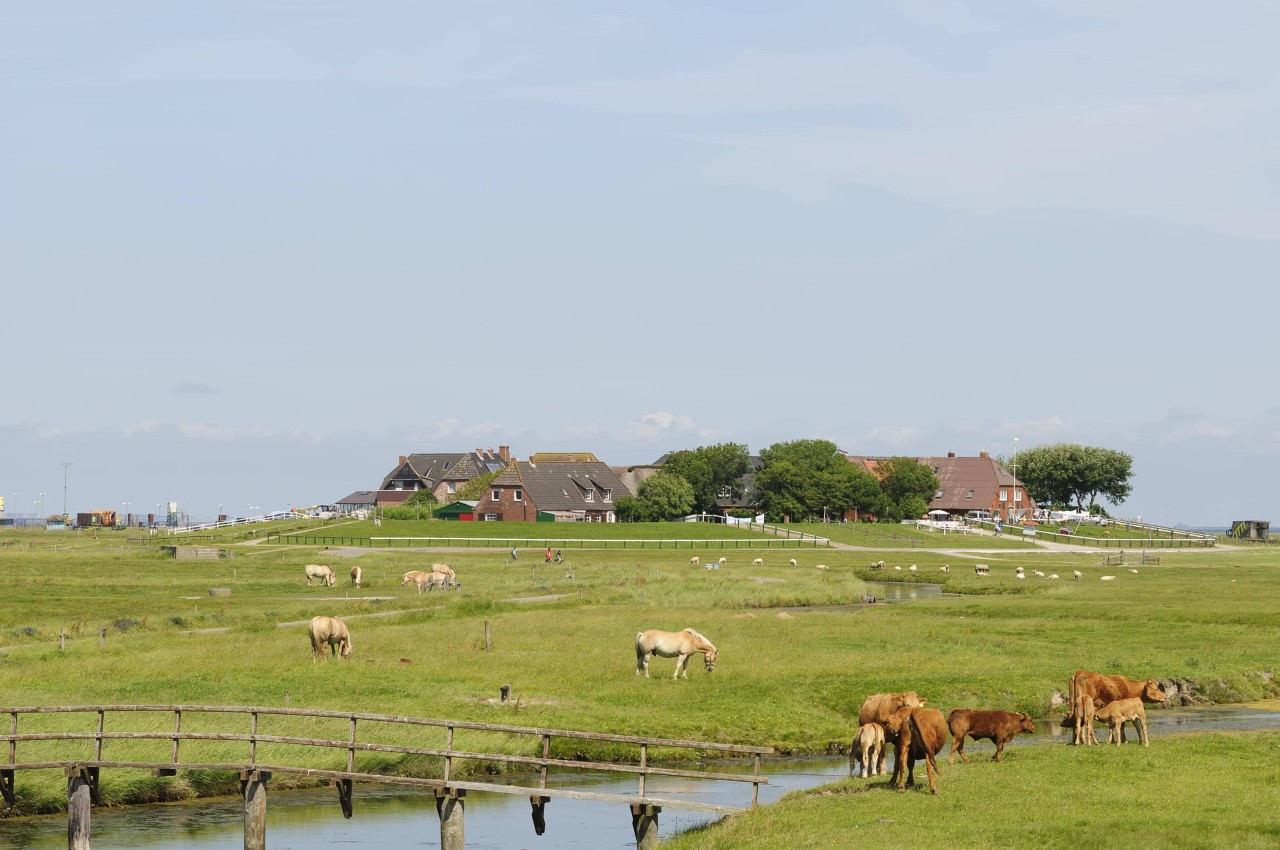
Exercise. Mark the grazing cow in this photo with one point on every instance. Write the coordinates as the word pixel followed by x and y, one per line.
pixel 356 575
pixel 1116 713
pixel 999 727
pixel 793 562
pixel 322 572
pixel 921 732
pixel 867 753
pixel 329 632
pixel 757 562
pixel 1101 690
pixel 1079 575
pixel 694 561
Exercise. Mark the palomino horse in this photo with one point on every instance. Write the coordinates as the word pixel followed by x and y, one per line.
pixel 322 572
pixel 356 575
pixel 331 632
pixel 679 645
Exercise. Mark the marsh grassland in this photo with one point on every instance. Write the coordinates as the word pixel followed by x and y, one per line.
pixel 798 653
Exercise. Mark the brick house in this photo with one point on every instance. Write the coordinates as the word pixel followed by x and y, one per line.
pixel 564 486
pixel 968 484
pixel 441 473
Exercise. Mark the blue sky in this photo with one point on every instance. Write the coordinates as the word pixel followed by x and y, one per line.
pixel 256 251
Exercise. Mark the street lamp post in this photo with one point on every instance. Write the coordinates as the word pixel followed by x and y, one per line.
pixel 41 502
pixel 126 513
pixel 1015 467
pixel 65 464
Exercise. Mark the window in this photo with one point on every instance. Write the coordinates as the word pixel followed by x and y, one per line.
pixel 969 495
pixel 496 495
pixel 451 487
pixel 490 517
pixel 1017 494
pixel 518 495
pixel 1004 495
pixel 725 492
pixel 938 494
pixel 608 495
pixel 588 495
pixel 565 492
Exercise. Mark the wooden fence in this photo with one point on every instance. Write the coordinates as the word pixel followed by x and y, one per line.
pixel 167 738
pixel 800 540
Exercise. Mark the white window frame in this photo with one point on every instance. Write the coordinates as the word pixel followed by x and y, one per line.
pixel 608 495
pixel 490 517
pixel 496 494
pixel 1004 495
pixel 517 494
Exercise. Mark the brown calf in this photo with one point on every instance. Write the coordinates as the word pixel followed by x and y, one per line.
pixel 922 732
pixel 1115 714
pixel 999 727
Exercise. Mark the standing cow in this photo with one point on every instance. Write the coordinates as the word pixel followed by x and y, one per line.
pixel 322 572
pixel 1115 714
pixel 1100 689
pixel 866 753
pixel 922 733
pixel 999 727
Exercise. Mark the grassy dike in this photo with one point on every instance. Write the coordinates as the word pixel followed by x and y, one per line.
pixel 793 667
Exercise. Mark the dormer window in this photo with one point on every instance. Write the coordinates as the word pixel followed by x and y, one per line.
pixel 588 495
pixel 608 495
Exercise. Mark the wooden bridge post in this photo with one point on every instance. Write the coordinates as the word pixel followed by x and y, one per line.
pixel 253 786
pixel 644 821
pixel 79 801
pixel 451 808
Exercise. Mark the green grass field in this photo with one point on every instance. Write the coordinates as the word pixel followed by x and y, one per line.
pixel 797 653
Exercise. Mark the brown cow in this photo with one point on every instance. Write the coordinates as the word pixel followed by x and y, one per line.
pixel 921 732
pixel 1114 714
pixel 1104 689
pixel 999 727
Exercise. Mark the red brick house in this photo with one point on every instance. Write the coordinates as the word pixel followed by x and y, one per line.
pixel 564 486
pixel 969 484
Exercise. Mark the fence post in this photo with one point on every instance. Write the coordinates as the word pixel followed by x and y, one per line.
pixel 78 806
pixel 451 808
pixel 644 822
pixel 253 787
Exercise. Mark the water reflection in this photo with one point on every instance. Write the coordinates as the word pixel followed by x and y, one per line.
pixel 390 816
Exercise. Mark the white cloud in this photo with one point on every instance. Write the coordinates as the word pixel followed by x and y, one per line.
pixel 894 435
pixel 1031 431
pixel 651 426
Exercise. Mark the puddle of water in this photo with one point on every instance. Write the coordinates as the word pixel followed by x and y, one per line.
pixel 390 816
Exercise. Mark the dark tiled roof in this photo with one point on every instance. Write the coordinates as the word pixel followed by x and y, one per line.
pixel 432 468
pixel 565 486
pixel 359 497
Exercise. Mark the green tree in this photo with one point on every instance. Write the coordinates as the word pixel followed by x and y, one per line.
pixel 473 490
pixel 807 479
pixel 1070 474
pixel 711 470
pixel 908 485
pixel 421 497
pixel 659 498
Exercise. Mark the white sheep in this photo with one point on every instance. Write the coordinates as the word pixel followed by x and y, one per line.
pixel 793 562
pixel 1079 575
pixel 694 560
pixel 723 561
pixel 944 568
pixel 912 568
pixel 821 566
pixel 1038 573
pixel 898 568
pixel 1108 578
pixel 757 562
pixel 1053 576
pixel 1019 575
pixel 1135 572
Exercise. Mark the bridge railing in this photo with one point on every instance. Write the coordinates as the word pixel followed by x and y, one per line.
pixel 167 738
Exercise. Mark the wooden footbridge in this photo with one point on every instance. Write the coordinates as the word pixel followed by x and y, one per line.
pixel 344 748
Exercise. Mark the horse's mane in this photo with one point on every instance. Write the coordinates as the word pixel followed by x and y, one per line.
pixel 699 636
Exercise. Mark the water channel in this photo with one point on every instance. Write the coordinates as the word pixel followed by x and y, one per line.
pixel 392 817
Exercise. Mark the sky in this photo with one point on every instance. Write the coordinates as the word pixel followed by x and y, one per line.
pixel 253 252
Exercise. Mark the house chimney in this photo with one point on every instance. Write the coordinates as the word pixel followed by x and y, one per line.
pixel 504 452
pixel 951 454
pixel 402 460
pixel 983 454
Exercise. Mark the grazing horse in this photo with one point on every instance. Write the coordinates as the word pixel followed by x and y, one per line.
pixel 429 581
pixel 356 575
pixel 322 572
pixel 332 632
pixel 446 569
pixel 679 645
